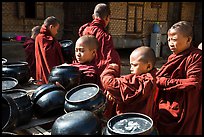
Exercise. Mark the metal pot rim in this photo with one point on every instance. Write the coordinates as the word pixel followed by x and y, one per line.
pixel 10 78
pixel 71 91
pixel 116 118
pixel 15 64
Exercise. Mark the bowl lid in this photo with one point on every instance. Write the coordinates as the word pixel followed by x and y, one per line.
pixel 66 43
pixel 79 122
pixel 9 83
pixel 43 89
pixel 16 93
pixel 130 123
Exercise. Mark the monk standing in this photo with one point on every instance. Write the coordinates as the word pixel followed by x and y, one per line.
pixel 47 50
pixel 180 83
pixel 134 92
pixel 106 53
pixel 29 47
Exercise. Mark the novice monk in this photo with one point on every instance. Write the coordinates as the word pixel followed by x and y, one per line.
pixel 180 83
pixel 29 46
pixel 47 50
pixel 106 52
pixel 134 92
pixel 85 52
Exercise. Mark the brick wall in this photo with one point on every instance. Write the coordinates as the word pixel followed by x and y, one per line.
pixel 13 21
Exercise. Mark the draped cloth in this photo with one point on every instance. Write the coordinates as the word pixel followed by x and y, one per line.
pixel 105 53
pixel 29 48
pixel 88 72
pixel 131 93
pixel 180 99
pixel 48 54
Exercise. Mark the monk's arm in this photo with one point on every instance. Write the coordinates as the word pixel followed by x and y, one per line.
pixel 109 80
pixel 127 88
pixel 193 76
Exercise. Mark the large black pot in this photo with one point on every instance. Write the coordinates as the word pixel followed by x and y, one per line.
pixel 48 100
pixel 68 53
pixel 19 70
pixel 67 76
pixel 24 104
pixel 9 83
pixel 9 113
pixel 80 122
pixel 130 124
pixel 85 97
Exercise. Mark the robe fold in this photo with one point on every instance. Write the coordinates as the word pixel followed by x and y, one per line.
pixel 48 54
pixel 180 100
pixel 29 47
pixel 88 72
pixel 105 53
pixel 131 93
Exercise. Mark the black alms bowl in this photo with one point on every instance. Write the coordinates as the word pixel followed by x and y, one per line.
pixel 80 122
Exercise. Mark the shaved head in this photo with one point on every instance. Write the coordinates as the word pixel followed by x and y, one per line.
pixel 144 54
pixel 89 41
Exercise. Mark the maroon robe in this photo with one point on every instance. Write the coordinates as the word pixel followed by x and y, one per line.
pixel 180 98
pixel 106 53
pixel 88 72
pixel 29 47
pixel 48 54
pixel 132 93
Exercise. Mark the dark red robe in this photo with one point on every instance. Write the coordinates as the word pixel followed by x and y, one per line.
pixel 88 72
pixel 29 47
pixel 106 53
pixel 180 97
pixel 48 54
pixel 132 93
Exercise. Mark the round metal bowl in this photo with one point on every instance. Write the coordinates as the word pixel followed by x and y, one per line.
pixel 130 124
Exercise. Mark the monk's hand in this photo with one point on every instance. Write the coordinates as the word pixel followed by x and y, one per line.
pixel 109 97
pixel 161 81
pixel 114 65
pixel 64 64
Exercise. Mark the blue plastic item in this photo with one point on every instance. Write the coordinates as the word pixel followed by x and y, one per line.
pixel 156 28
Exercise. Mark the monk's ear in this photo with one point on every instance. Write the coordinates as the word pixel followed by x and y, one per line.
pixel 189 39
pixel 51 26
pixel 107 18
pixel 93 16
pixel 94 52
pixel 149 66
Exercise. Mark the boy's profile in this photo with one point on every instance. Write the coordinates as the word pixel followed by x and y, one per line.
pixel 134 92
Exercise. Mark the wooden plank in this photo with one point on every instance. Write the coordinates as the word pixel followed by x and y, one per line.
pixel 36 122
pixel 33 131
pixel 43 131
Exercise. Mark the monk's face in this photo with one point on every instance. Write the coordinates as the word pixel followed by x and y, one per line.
pixel 137 65
pixel 177 41
pixel 83 54
pixel 54 30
